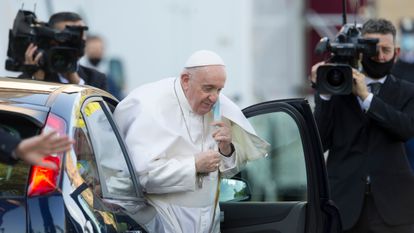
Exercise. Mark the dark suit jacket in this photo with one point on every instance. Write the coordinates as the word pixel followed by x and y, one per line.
pixel 91 77
pixel 8 144
pixel 370 144
pixel 403 70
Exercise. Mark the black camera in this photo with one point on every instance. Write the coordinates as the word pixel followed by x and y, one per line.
pixel 336 78
pixel 60 49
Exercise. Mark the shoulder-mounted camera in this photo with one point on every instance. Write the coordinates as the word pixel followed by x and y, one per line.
pixel 60 49
pixel 345 51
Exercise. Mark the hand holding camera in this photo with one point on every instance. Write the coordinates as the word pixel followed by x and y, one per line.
pixel 336 78
pixel 32 59
pixel 359 88
pixel 35 45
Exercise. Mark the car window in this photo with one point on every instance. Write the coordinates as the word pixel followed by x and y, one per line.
pixel 281 176
pixel 116 181
pixel 14 178
pixel 86 163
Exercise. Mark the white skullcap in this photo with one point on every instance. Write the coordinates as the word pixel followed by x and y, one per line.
pixel 204 58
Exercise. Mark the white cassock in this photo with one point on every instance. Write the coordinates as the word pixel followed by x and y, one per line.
pixel 163 152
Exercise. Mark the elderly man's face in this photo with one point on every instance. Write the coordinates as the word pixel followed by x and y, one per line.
pixel 202 87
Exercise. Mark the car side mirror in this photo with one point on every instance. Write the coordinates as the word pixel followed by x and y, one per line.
pixel 234 190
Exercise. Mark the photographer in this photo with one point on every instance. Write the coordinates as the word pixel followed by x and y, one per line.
pixel 82 75
pixel 370 177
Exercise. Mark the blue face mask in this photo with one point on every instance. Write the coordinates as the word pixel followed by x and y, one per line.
pixel 217 111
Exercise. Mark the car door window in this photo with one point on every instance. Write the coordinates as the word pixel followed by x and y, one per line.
pixel 115 177
pixel 281 176
pixel 14 178
pixel 86 163
pixel 283 172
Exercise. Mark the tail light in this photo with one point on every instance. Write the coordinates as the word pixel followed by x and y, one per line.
pixel 44 180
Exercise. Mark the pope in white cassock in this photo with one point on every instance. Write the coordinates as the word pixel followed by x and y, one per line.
pixel 183 134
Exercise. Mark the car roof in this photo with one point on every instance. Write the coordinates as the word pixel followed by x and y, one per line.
pixel 38 92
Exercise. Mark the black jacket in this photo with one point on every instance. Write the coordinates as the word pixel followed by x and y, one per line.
pixel 8 144
pixel 91 77
pixel 403 70
pixel 370 144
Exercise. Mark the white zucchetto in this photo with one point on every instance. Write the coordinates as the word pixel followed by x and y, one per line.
pixel 204 58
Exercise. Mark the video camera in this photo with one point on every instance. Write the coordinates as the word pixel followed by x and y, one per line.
pixel 60 49
pixel 336 78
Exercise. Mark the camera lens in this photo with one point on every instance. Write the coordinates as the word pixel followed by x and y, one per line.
pixel 60 62
pixel 62 59
pixel 335 77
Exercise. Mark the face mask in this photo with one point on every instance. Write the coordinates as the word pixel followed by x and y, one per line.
pixel 94 61
pixel 376 70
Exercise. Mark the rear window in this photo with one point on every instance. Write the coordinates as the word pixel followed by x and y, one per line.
pixel 14 178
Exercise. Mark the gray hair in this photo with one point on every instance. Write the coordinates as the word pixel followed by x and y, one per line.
pixel 380 26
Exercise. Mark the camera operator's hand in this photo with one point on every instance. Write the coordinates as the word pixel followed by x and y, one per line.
pixel 313 78
pixel 72 77
pixel 30 59
pixel 359 88
pixel 313 71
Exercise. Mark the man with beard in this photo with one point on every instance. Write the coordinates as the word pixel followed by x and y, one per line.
pixel 82 75
pixel 370 178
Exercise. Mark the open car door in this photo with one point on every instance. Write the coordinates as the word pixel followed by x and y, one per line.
pixel 286 192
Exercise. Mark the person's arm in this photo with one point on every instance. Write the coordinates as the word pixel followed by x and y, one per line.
pixel 222 135
pixel 397 118
pixel 152 150
pixel 32 60
pixel 33 150
pixel 8 144
pixel 323 111
pixel 323 114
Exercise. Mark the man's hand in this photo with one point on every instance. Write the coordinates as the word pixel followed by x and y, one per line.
pixel 313 76
pixel 32 150
pixel 72 77
pixel 359 88
pixel 30 59
pixel 207 161
pixel 222 135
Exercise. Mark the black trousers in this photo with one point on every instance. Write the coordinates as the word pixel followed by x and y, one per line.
pixel 371 221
